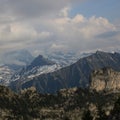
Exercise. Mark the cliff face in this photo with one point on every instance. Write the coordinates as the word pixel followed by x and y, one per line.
pixel 105 79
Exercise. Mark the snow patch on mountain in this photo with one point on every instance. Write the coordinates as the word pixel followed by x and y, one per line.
pixel 5 75
pixel 36 71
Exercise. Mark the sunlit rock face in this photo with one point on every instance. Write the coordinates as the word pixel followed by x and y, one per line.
pixel 105 79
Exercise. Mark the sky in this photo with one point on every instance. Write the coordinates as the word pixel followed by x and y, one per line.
pixel 59 25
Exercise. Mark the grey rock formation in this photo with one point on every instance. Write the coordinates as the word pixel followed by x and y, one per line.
pixel 105 79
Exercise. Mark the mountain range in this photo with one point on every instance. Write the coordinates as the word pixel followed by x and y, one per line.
pixel 75 75
pixel 11 62
pixel 38 66
pixel 100 101
pixel 89 89
pixel 21 64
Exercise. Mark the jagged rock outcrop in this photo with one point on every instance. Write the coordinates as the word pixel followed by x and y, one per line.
pixel 105 79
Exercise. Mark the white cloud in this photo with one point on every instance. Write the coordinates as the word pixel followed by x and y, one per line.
pixel 46 25
pixel 31 8
pixel 57 47
pixel 79 18
pixel 65 12
pixel 79 33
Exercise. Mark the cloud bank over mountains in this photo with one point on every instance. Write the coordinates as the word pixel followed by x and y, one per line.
pixel 41 25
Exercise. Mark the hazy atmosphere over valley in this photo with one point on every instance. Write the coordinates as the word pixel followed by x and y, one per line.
pixel 42 26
